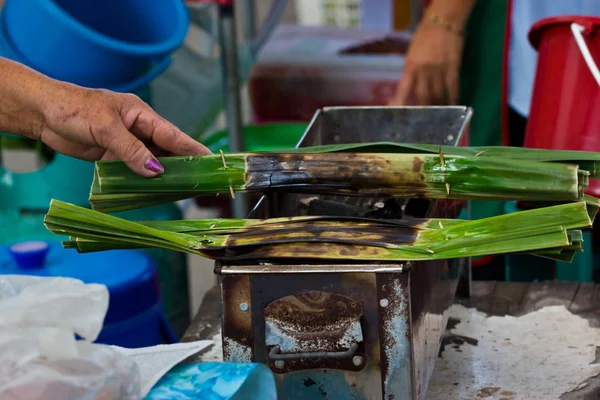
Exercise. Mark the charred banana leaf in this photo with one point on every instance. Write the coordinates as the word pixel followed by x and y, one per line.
pixel 116 188
pixel 589 161
pixel 551 231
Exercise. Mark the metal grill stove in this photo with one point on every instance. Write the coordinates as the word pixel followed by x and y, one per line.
pixel 348 330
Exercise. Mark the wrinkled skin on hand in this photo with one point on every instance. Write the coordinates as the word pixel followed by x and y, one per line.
pixel 101 125
pixel 89 124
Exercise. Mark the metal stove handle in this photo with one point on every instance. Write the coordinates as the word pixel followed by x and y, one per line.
pixel 275 355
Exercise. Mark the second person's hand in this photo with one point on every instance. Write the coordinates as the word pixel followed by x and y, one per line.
pixel 431 70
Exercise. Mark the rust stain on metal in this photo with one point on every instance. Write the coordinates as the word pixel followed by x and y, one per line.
pixel 364 287
pixel 314 321
pixel 356 286
pixel 237 324
pixel 316 329
pixel 395 335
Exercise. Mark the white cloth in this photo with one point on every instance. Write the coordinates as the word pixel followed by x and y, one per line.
pixel 522 56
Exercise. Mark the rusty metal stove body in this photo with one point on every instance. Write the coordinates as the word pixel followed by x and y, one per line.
pixel 341 330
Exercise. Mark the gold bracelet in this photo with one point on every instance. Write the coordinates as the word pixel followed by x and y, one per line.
pixel 449 26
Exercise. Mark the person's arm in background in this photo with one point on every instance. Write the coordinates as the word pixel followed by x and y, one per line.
pixel 431 71
pixel 88 124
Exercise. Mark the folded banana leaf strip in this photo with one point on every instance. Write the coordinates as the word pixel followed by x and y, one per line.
pixel 589 161
pixel 116 188
pixel 550 231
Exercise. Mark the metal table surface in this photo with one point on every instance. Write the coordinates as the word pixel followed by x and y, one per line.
pixel 492 298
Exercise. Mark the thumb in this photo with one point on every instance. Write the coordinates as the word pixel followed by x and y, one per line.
pixel 126 147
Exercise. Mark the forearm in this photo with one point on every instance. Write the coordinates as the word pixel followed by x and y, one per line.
pixel 455 12
pixel 23 92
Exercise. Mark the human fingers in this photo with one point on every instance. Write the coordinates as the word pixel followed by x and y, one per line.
pixel 423 90
pixel 452 85
pixel 126 147
pixel 438 88
pixel 148 125
pixel 404 90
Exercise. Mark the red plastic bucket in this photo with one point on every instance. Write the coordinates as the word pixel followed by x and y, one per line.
pixel 565 105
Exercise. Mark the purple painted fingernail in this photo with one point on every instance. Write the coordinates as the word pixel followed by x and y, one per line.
pixel 154 166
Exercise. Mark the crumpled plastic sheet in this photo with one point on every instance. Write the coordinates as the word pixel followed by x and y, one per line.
pixel 39 355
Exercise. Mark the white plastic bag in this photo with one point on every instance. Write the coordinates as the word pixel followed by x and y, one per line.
pixel 39 356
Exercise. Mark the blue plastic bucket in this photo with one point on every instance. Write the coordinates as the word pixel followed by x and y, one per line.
pixel 155 68
pixel 95 43
pixel 143 330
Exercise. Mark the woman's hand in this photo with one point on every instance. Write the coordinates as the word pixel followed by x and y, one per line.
pixel 100 125
pixel 88 124
pixel 431 71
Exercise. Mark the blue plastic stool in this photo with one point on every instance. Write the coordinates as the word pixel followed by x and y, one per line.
pixel 134 318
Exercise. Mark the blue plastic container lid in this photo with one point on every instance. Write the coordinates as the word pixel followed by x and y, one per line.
pixel 29 255
pixel 129 275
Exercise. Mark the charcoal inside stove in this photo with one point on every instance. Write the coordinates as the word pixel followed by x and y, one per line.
pixel 386 209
